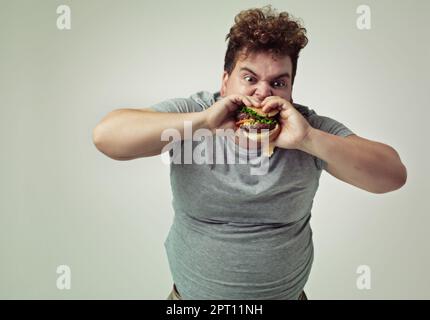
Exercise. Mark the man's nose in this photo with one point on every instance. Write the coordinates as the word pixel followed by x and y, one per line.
pixel 263 90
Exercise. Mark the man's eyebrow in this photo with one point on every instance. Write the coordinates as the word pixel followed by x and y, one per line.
pixel 285 74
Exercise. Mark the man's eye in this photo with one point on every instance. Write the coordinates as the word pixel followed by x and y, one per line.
pixel 249 78
pixel 279 84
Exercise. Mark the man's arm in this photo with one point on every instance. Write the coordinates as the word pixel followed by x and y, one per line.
pixel 366 164
pixel 126 134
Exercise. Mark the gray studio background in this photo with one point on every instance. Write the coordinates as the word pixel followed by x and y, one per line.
pixel 64 203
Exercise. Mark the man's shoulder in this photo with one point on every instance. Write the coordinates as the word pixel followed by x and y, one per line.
pixel 204 98
pixel 304 110
pixel 196 102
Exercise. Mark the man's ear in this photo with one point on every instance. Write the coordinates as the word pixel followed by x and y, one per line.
pixel 224 83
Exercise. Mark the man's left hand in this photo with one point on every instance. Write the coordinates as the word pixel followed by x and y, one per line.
pixel 294 127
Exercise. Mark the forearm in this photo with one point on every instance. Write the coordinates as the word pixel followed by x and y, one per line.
pixel 126 134
pixel 369 165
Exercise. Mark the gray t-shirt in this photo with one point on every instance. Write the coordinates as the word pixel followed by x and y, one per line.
pixel 238 235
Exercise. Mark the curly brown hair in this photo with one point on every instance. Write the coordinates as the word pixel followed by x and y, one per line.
pixel 264 30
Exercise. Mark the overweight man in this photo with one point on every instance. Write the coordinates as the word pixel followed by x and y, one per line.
pixel 235 234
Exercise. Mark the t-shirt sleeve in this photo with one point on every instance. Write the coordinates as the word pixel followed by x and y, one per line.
pixel 177 105
pixel 181 105
pixel 331 126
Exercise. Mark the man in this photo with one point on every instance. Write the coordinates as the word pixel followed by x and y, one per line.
pixel 237 235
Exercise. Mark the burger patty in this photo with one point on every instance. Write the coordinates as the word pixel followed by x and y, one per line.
pixel 242 116
pixel 258 126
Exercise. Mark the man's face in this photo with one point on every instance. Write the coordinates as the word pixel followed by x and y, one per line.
pixel 259 75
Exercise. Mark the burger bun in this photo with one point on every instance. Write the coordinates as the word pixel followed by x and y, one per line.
pixel 260 112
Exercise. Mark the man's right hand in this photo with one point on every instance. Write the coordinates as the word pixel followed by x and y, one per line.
pixel 221 115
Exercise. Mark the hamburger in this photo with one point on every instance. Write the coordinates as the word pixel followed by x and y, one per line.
pixel 255 124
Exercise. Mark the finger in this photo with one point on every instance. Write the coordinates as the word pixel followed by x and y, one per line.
pixel 276 103
pixel 270 105
pixel 252 102
pixel 255 102
pixel 238 101
pixel 267 99
pixel 286 105
pixel 249 101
